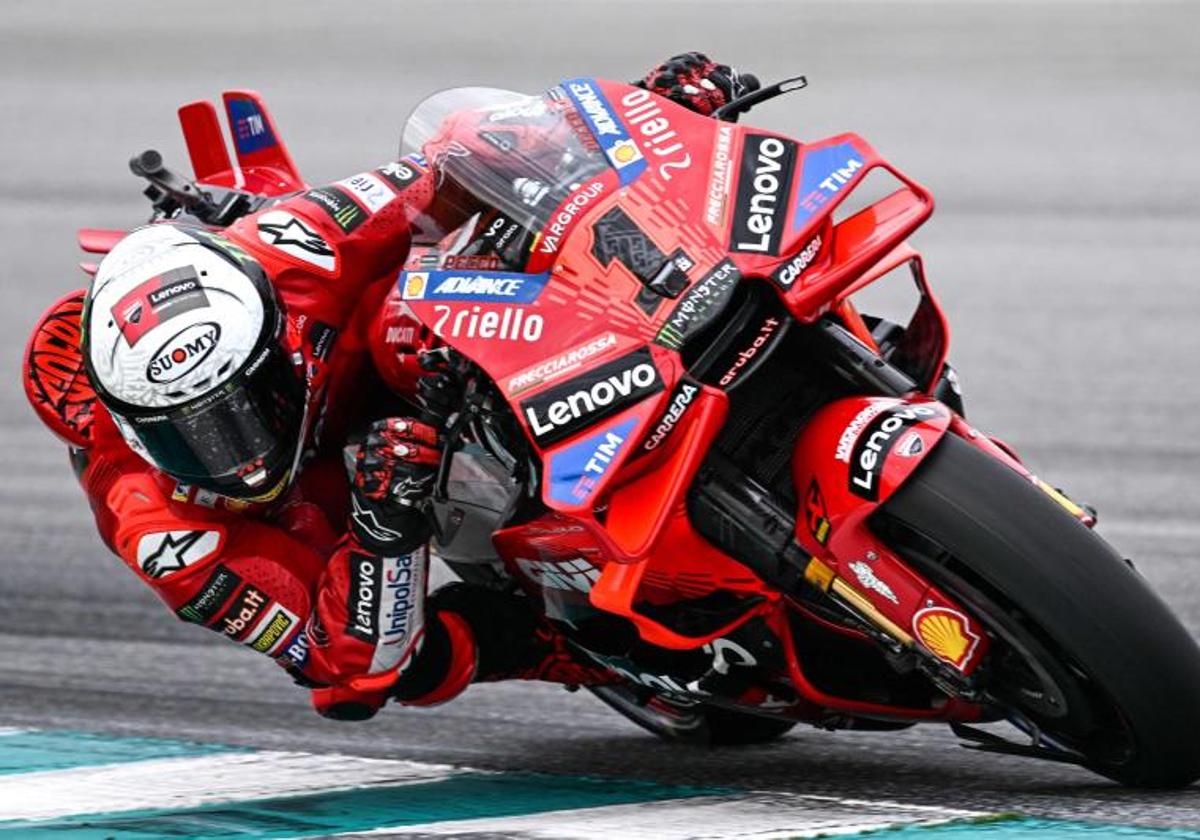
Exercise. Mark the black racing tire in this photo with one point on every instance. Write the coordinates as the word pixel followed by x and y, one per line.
pixel 1126 669
pixel 697 724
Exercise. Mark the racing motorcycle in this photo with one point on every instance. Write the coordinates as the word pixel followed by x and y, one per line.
pixel 753 503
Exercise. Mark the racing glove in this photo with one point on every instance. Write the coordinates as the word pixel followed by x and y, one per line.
pixel 395 471
pixel 698 83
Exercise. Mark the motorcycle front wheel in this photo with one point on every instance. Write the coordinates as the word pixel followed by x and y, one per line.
pixel 1082 648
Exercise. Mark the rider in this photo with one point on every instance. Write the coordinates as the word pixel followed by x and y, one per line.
pixel 232 370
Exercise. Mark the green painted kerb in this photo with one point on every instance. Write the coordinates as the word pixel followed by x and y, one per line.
pixel 29 752
pixel 469 796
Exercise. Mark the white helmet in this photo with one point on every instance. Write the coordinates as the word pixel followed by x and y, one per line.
pixel 183 344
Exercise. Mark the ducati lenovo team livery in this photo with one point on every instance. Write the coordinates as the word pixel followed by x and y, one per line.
pixel 598 347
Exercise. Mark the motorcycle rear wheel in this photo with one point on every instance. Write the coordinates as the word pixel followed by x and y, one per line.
pixel 698 723
pixel 1082 647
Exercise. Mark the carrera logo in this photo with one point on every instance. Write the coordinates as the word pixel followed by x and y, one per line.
pixel 790 273
pixel 683 397
pixel 183 352
pixel 876 441
pixel 763 188
pixel 591 397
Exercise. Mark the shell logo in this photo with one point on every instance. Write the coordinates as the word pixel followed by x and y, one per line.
pixel 624 152
pixel 414 285
pixel 947 634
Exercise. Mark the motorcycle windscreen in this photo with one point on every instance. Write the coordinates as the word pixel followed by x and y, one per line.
pixel 508 159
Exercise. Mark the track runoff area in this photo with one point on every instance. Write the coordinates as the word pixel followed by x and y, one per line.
pixel 79 785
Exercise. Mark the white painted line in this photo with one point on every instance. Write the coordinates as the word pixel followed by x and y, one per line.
pixel 200 780
pixel 759 815
pixel 7 730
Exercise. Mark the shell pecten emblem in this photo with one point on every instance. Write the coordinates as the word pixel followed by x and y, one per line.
pixel 624 152
pixel 947 634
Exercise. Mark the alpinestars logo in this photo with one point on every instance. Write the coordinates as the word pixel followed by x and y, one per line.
pixel 163 552
pixel 368 523
pixel 591 397
pixel 287 233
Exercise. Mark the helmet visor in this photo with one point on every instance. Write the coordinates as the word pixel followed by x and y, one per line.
pixel 241 440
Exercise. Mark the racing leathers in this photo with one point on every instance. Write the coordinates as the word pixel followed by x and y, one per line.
pixel 328 577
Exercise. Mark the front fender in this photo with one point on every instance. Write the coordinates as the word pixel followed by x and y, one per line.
pixel 853 454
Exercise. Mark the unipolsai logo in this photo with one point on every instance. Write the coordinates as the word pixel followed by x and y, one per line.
pixel 183 352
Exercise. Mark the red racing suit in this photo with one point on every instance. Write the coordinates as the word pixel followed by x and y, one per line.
pixel 282 575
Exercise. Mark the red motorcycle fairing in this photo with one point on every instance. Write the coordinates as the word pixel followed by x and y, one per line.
pixel 849 459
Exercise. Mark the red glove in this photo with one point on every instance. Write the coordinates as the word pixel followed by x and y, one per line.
pixel 698 83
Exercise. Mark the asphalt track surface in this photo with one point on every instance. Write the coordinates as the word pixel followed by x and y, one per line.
pixel 1059 139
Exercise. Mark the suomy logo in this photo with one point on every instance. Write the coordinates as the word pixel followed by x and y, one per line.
pixel 183 352
pixel 763 187
pixel 591 397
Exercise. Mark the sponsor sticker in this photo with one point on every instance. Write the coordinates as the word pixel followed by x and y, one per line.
pixel 370 191
pixel 503 323
pixel 215 592
pixel 763 190
pixel 403 173
pixel 559 366
pixel 681 399
pixel 947 634
pixel 243 613
pixel 610 133
pixel 366 576
pixel 156 301
pixel 643 111
pixel 720 178
pixel 869 580
pixel 824 173
pixel 477 287
pixel 251 131
pixel 345 213
pixel 272 630
pixel 296 651
pixel 161 553
pixel 285 232
pixel 816 515
pixel 183 352
pixel 703 302
pixel 768 331
pixel 876 440
pixel 562 221
pixel 593 396
pixel 400 620
pixel 576 472
pixel 787 276
pixel 575 575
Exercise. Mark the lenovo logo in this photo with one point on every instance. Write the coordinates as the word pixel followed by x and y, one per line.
pixel 599 393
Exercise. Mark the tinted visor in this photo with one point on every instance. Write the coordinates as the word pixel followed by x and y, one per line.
pixel 239 441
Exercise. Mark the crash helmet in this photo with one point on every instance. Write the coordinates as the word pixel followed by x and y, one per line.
pixel 184 344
